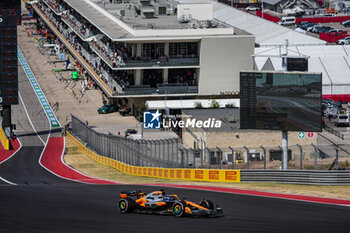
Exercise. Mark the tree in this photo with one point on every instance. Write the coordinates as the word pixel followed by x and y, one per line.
pixel 140 109
pixel 198 105
pixel 214 103
pixel 230 105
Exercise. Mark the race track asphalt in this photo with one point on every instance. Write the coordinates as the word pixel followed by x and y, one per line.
pixel 42 202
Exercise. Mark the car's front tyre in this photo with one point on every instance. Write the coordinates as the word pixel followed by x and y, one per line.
pixel 126 205
pixel 178 209
pixel 207 204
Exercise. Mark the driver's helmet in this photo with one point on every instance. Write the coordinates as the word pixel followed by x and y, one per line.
pixel 156 195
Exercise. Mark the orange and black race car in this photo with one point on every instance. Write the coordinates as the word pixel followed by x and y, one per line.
pixel 158 203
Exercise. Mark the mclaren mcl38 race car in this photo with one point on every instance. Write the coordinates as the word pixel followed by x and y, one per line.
pixel 158 203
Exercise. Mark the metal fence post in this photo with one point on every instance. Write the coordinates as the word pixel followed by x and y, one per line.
pixel 118 149
pixel 264 156
pixel 163 142
pixel 336 158
pixel 141 152
pixel 127 152
pixel 124 152
pixel 194 157
pixel 233 157
pixel 220 156
pixel 182 158
pixel 247 156
pixel 201 155
pixel 135 149
pixel 154 153
pixel 168 156
pixel 209 157
pixel 175 153
pixel 279 147
pixel 186 158
pixel 316 155
pixel 159 153
pixel 171 151
pixel 177 148
pixel 301 156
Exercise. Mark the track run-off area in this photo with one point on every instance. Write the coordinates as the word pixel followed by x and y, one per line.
pixel 40 193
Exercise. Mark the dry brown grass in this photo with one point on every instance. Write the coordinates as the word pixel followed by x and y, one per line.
pixel 75 158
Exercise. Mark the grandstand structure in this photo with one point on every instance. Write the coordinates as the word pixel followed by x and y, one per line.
pixel 142 50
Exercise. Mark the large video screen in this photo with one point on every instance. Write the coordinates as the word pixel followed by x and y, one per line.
pixel 297 64
pixel 289 101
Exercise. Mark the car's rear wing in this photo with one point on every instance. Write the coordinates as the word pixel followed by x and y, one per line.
pixel 124 194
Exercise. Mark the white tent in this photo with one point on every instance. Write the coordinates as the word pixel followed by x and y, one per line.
pixel 266 33
pixel 332 61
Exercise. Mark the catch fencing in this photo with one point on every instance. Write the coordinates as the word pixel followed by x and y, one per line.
pixel 170 153
pixel 135 152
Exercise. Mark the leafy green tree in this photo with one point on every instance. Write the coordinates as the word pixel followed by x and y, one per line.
pixel 214 103
pixel 198 105
pixel 140 109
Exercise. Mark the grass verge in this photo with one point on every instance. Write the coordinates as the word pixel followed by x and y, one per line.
pixel 77 159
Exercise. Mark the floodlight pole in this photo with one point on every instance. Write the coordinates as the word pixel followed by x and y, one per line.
pixel 284 150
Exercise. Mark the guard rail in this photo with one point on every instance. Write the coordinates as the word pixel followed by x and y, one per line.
pixel 339 177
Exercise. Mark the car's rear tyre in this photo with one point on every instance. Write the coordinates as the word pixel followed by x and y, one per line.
pixel 126 205
pixel 207 204
pixel 178 209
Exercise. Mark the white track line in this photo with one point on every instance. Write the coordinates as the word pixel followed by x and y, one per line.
pixel 48 136
pixel 41 155
pixel 6 181
pixel 62 159
pixel 3 179
pixel 79 181
pixel 30 121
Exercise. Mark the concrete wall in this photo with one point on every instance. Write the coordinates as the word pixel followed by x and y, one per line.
pixel 221 59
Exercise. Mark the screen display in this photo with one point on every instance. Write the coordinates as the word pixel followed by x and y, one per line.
pixel 10 12
pixel 10 17
pixel 9 4
pixel 9 100
pixel 9 39
pixel 297 64
pixel 9 77
pixel 9 85
pixel 8 54
pixel 9 69
pixel 9 62
pixel 10 92
pixel 8 31
pixel 8 48
pixel 287 101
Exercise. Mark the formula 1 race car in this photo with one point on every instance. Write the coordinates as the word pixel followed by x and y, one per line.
pixel 158 203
